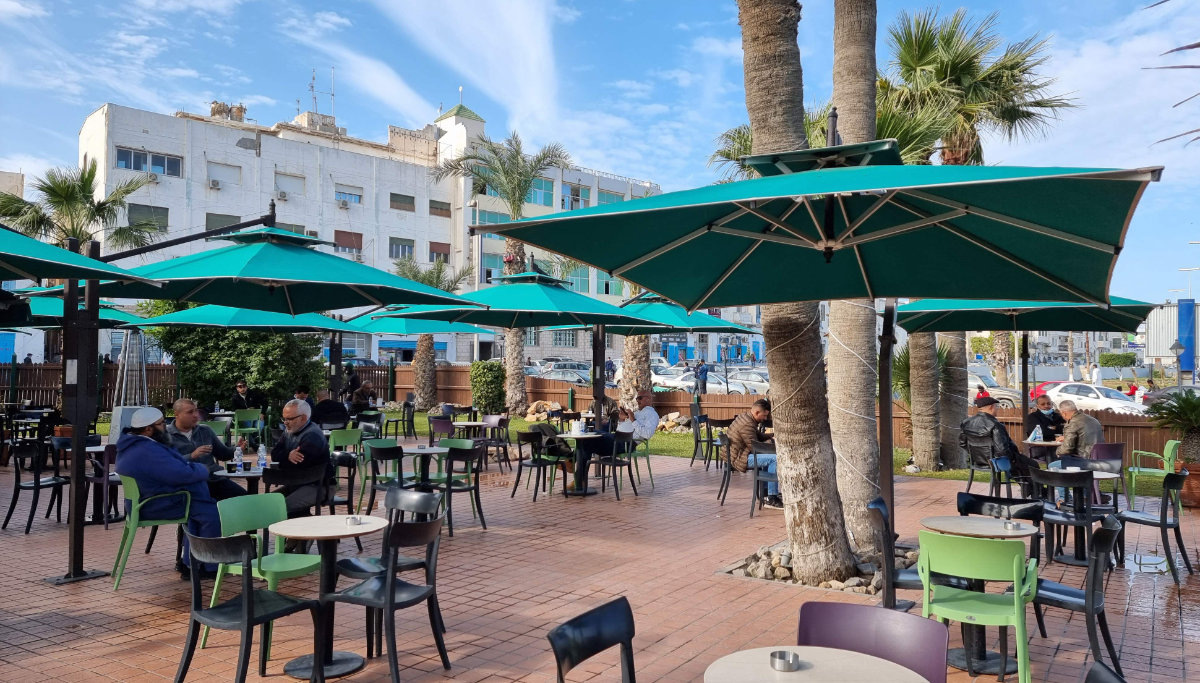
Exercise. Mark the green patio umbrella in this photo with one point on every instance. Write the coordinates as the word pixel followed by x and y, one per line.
pixel 953 315
pixel 405 326
pixel 1049 234
pixel 669 316
pixel 23 257
pixel 46 312
pixel 275 270
pixel 246 319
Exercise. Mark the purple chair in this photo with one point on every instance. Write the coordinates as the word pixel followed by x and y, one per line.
pixel 906 639
pixel 1105 451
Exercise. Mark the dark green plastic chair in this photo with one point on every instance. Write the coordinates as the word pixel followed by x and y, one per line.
pixel 134 521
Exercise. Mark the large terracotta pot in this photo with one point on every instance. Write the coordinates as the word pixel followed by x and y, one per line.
pixel 1189 496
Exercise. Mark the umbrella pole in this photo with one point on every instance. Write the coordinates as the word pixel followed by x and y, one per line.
pixel 335 365
pixel 1024 374
pixel 598 373
pixel 79 403
pixel 887 340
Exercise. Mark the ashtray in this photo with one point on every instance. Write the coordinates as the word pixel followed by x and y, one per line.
pixel 785 660
pixel 353 520
pixel 1012 526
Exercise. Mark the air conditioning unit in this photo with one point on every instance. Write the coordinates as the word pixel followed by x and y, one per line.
pixel 152 177
pixel 343 203
pixel 311 233
pixel 281 196
pixel 358 257
pixel 214 184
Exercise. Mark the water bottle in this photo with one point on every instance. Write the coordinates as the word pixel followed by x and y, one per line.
pixel 237 458
pixel 1036 435
pixel 262 456
pixel 217 407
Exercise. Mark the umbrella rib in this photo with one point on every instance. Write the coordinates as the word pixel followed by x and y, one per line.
pixel 926 326
pixel 368 297
pixel 778 223
pixel 725 276
pixel 19 271
pixel 287 296
pixel 659 251
pixel 191 293
pixel 903 227
pixel 767 237
pixel 862 267
pixel 879 204
pixel 1015 222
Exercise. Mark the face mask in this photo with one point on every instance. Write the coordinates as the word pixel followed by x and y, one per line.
pixel 1048 412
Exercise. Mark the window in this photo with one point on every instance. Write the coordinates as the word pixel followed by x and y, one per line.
pixel 350 193
pixel 490 266
pixel 212 221
pixel 564 338
pixel 542 192
pixel 437 208
pixel 575 196
pixel 607 284
pixel 225 173
pixel 403 202
pixel 439 251
pixel 578 279
pixel 532 336
pixel 479 217
pixel 141 160
pixel 144 212
pixel 347 242
pixel 353 345
pixel 291 184
pixel 606 197
pixel 1116 343
pixel 290 227
pixel 398 247
pixel 608 340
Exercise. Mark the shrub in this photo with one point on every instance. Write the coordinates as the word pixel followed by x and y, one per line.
pixel 487 386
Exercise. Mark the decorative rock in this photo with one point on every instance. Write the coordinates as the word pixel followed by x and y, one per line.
pixel 776 560
pixel 837 585
pixel 912 555
pixel 857 589
pixel 739 572
pixel 825 584
pixel 854 581
pixel 683 421
pixel 763 570
pixel 872 590
pixel 673 417
pixel 912 469
pixel 877 580
pixel 782 573
pixel 866 568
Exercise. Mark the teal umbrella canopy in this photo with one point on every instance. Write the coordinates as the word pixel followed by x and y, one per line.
pixel 23 257
pixel 275 270
pixel 671 317
pixel 246 319
pixel 46 312
pixel 406 326
pixel 954 315
pixel 1047 234
pixel 526 300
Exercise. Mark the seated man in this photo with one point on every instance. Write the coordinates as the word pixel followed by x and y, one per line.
pixel 303 450
pixel 329 411
pixel 302 393
pixel 243 398
pixel 745 431
pixel 1081 433
pixel 984 438
pixel 144 453
pixel 642 422
pixel 363 397
pixel 200 444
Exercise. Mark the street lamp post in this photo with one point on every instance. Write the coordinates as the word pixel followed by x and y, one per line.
pixel 1177 349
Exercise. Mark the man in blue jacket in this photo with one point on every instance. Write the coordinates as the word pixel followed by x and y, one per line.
pixel 701 377
pixel 145 454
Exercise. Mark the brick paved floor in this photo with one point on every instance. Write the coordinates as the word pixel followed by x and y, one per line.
pixel 536 565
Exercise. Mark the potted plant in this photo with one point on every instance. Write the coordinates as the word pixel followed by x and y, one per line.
pixel 1180 413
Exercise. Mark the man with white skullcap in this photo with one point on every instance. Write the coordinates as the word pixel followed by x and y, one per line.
pixel 145 454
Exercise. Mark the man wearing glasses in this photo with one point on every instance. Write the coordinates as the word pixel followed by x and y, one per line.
pixel 303 450
pixel 642 422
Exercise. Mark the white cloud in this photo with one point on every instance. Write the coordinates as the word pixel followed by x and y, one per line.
pixel 564 14
pixel 724 48
pixel 20 9
pixel 633 89
pixel 223 7
pixel 681 77
pixel 179 72
pixel 256 100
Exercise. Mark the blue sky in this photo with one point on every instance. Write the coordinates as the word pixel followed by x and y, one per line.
pixel 633 88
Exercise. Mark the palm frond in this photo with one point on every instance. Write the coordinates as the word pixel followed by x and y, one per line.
pixel 439 274
pixel 131 236
pixel 504 167
pixel 732 145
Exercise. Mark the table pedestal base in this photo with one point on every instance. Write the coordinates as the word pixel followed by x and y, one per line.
pixel 585 492
pixel 342 664
pixel 1070 559
pixel 85 576
pixel 957 658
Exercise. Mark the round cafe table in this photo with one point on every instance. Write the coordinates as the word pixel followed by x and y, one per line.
pixel 818 664
pixel 983 661
pixel 251 478
pixel 326 530
pixel 582 463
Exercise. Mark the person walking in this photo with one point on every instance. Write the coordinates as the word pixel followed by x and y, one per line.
pixel 701 377
pixel 1096 381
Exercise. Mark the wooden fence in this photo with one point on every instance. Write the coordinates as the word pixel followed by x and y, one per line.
pixel 41 383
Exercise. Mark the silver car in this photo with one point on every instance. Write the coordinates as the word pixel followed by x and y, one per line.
pixel 1008 398
pixel 754 379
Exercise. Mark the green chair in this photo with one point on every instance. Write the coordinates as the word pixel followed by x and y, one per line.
pixel 253 514
pixel 134 521
pixel 220 428
pixel 1136 467
pixel 247 422
pixel 642 450
pixel 980 559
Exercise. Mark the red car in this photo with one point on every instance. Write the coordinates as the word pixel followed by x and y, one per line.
pixel 1041 388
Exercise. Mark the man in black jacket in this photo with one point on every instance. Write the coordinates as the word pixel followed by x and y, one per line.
pixel 243 398
pixel 303 449
pixel 328 411
pixel 983 438
pixel 1050 420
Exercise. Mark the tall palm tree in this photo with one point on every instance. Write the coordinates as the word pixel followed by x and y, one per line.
pixel 442 276
pixel 774 89
pixel 66 207
pixel 503 166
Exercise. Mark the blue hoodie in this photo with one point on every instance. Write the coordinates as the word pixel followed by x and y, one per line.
pixel 158 468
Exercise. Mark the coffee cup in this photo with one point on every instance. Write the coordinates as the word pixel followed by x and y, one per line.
pixel 230 467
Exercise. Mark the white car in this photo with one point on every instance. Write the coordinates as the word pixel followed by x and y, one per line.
pixel 570 365
pixel 1089 397
pixel 716 384
pixel 754 379
pixel 657 365
pixel 668 377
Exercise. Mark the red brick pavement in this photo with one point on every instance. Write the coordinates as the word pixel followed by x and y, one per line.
pixel 537 564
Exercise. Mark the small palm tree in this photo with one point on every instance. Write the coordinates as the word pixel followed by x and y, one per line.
pixel 732 145
pixel 442 276
pixel 1180 413
pixel 505 168
pixel 67 207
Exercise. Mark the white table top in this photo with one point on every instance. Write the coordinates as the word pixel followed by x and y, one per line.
pixel 326 527
pixel 95 449
pixel 244 474
pixel 435 450
pixel 819 664
pixel 589 435
pixel 1042 443
pixel 978 527
pixel 470 424
pixel 1095 474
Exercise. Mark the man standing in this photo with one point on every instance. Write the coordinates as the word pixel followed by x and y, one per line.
pixel 1050 420
pixel 303 450
pixel 302 393
pixel 1082 432
pixel 745 431
pixel 144 453
pixel 28 359
pixel 200 444
pixel 701 377
pixel 352 382
pixel 1096 380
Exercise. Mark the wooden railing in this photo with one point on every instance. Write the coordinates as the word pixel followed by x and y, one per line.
pixel 41 383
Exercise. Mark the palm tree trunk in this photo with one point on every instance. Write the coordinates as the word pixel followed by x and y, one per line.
pixel 1070 356
pixel 806 466
pixel 923 380
pixel 954 397
pixel 635 369
pixel 852 355
pixel 1002 353
pixel 515 396
pixel 424 374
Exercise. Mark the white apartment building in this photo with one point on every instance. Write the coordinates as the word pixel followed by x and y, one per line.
pixel 12 182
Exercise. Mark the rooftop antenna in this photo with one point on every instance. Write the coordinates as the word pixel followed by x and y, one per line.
pixel 460 95
pixel 297 106
pixel 332 107
pixel 312 90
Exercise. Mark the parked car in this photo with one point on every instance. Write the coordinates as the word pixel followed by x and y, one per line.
pixel 716 384
pixel 570 365
pixel 1088 397
pixel 656 362
pixel 359 362
pixel 574 377
pixel 533 370
pixel 553 359
pixel 755 379
pixel 667 377
pixel 1158 395
pixel 1008 398
pixel 1043 387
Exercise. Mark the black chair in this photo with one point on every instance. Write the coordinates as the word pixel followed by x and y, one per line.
pixel 252 607
pixel 422 505
pixel 348 461
pixel 612 464
pixel 379 457
pixel 384 593
pixel 461 476
pixel 761 477
pixel 290 479
pixel 1090 599
pixel 1115 465
pixel 1168 518
pixel 713 442
pixel 701 434
pixel 894 578
pixel 1002 475
pixel 1100 673
pixel 1056 520
pixel 593 632
pixel 538 460
pixel 440 428
pixel 31 456
pixel 495 436
pixel 397 426
pixel 370 424
pixel 1024 509
pixel 105 480
pixel 980 451
pixel 723 456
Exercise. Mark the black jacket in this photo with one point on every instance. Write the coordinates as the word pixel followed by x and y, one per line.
pixel 983 437
pixel 249 400
pixel 1051 426
pixel 312 445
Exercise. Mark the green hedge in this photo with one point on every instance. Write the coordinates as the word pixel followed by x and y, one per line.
pixel 487 386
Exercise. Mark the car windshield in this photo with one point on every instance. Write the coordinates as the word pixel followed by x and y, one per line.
pixel 1113 394
pixel 987 381
pixel 669 372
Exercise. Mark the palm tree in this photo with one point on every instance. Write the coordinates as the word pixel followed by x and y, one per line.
pixel 442 276
pixel 67 208
pixel 732 145
pixel 807 470
pixel 504 167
